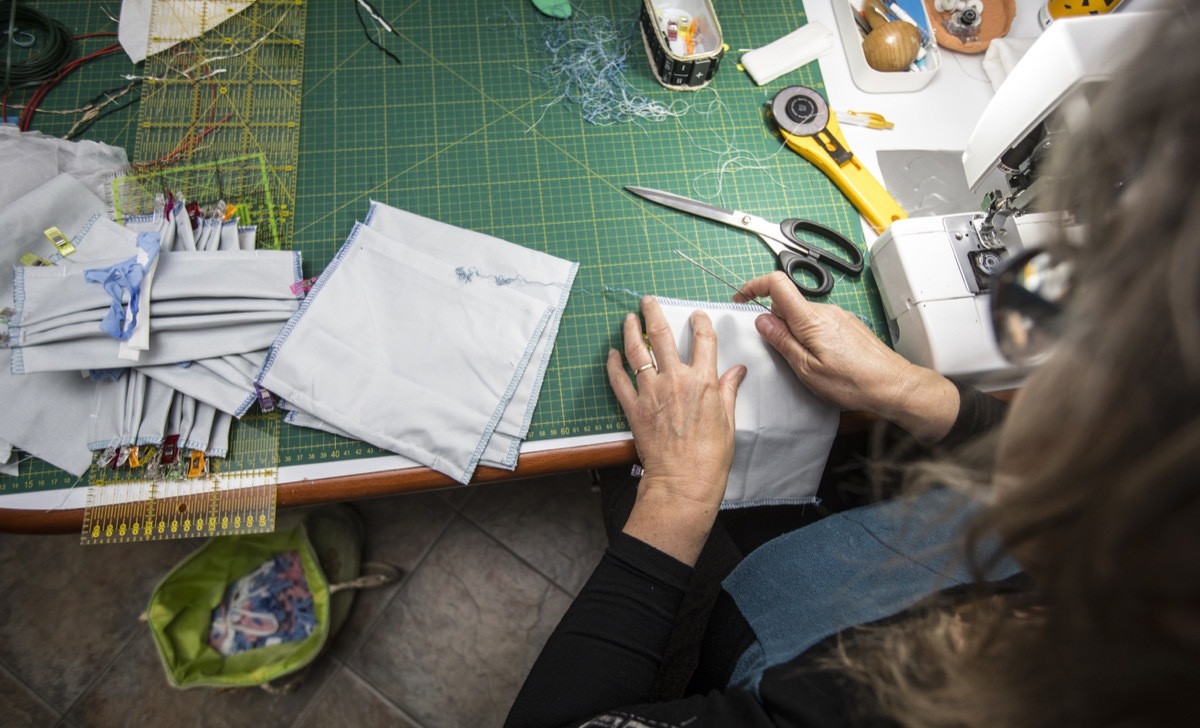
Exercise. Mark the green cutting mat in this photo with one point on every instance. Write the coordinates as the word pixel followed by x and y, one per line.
pixel 461 132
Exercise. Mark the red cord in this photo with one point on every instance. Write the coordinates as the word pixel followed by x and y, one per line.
pixel 30 109
pixel 189 142
pixel 184 146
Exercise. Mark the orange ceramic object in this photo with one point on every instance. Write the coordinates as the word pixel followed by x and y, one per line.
pixel 952 33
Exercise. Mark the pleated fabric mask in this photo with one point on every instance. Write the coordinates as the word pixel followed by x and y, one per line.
pixel 47 415
pixel 203 305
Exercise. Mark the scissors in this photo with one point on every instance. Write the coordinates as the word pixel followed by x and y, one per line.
pixel 794 255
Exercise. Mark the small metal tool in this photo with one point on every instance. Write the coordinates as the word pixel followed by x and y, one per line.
pixel 681 254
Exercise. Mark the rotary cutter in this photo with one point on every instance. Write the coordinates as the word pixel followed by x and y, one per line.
pixel 803 118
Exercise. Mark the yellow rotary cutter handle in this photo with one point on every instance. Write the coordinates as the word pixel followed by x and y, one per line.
pixel 812 132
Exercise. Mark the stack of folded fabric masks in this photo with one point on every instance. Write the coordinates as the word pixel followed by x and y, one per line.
pixel 424 339
pixel 167 317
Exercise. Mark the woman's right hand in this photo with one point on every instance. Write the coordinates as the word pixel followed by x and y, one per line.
pixel 843 362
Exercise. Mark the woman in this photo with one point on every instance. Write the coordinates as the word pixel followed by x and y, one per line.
pixel 1096 490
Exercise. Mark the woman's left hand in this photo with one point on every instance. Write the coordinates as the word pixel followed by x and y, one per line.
pixel 682 421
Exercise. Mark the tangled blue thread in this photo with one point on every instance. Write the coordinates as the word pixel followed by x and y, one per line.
pixel 588 59
pixel 468 275
pixel 608 289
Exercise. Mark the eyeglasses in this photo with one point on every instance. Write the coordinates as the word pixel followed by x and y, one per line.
pixel 1029 294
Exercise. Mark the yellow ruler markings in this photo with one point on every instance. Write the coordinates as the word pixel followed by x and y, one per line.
pixel 239 86
pixel 238 496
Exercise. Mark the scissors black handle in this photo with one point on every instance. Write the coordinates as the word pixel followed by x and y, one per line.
pixel 792 263
pixel 808 258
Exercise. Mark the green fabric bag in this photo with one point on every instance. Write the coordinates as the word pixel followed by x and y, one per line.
pixel 181 607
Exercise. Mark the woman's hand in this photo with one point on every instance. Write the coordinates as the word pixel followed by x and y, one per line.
pixel 681 416
pixel 840 360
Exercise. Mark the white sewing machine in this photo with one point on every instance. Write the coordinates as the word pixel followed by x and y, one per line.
pixel 932 272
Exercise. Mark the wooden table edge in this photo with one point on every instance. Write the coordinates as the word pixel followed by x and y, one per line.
pixel 393 482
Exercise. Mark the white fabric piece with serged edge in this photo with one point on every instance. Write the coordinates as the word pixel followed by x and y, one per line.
pixel 47 415
pixel 493 261
pixel 414 353
pixel 803 45
pixel 148 27
pixel 783 432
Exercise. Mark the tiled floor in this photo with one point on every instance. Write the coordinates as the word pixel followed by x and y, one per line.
pixel 489 570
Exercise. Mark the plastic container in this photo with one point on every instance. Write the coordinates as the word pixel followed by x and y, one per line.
pixel 683 42
pixel 867 78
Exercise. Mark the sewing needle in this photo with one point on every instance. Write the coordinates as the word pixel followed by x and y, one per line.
pixel 681 254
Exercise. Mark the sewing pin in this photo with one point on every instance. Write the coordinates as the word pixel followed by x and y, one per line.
pixel 681 254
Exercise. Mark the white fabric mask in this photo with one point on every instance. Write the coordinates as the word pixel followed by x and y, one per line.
pixel 30 159
pixel 226 383
pixel 47 415
pixel 110 421
pixel 490 261
pixel 206 304
pixel 246 236
pixel 131 410
pixel 218 439
pixel 229 239
pixel 202 384
pixel 394 348
pixel 197 436
pixel 783 431
pixel 156 404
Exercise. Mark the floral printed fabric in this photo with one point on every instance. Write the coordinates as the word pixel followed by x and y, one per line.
pixel 271 605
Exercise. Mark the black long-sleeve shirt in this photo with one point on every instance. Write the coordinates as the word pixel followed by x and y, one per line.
pixel 608 649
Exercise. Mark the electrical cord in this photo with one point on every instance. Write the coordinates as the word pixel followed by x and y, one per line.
pixel 87 123
pixel 55 47
pixel 374 13
pixel 46 86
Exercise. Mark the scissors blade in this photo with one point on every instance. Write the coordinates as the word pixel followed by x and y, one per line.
pixel 692 207
pixel 733 218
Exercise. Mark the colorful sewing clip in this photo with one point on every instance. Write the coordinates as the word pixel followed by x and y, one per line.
pixel 299 288
pixel 35 261
pixel 170 449
pixel 60 241
pixel 266 401
pixel 196 464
